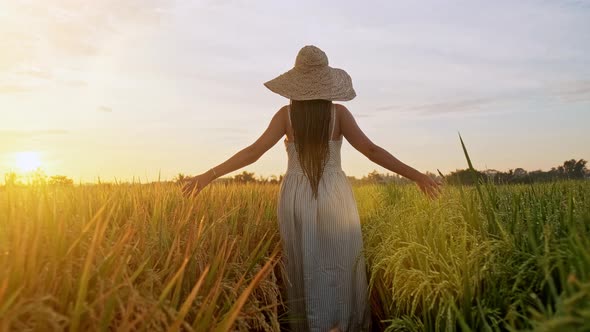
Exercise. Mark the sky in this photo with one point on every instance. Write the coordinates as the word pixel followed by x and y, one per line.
pixel 123 89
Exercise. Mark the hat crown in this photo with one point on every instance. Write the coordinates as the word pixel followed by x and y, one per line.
pixel 311 56
pixel 312 78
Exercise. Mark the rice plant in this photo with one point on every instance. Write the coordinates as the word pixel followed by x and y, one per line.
pixel 131 257
pixel 143 257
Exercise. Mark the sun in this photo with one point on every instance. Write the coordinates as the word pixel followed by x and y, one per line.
pixel 27 161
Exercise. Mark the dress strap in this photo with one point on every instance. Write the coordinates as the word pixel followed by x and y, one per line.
pixel 333 120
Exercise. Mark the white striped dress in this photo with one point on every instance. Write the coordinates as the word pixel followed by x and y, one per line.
pixel 322 245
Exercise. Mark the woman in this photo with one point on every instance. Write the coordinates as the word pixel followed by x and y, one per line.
pixel 317 214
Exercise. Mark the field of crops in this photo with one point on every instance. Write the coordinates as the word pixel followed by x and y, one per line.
pixel 143 257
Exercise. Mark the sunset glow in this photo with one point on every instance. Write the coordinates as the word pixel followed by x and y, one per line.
pixel 126 89
pixel 27 161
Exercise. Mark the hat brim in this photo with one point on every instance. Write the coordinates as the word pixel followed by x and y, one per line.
pixel 322 83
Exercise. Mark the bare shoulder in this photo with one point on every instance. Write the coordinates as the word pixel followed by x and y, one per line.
pixel 282 117
pixel 341 108
pixel 283 111
pixel 351 131
pixel 342 112
pixel 283 114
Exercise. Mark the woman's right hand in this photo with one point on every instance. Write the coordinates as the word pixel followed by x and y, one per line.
pixel 429 186
pixel 194 185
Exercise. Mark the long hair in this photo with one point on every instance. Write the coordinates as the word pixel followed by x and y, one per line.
pixel 310 120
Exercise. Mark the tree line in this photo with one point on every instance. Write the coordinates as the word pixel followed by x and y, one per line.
pixel 36 178
pixel 570 169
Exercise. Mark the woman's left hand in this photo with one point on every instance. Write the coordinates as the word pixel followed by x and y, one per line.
pixel 194 185
pixel 429 186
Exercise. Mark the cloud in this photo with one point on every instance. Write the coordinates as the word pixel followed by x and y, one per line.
pixel 36 73
pixel 76 27
pixel 465 105
pixel 76 83
pixel 31 133
pixel 452 106
pixel 7 89
pixel 573 91
pixel 104 109
pixel 226 134
pixel 564 92
pixel 11 139
pixel 389 107
pixel 226 130
pixel 56 34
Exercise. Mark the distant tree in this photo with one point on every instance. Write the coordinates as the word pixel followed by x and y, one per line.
pixel 540 176
pixel 580 169
pixel 503 177
pixel 11 179
pixel 374 177
pixel 352 179
pixel 571 169
pixel 520 173
pixel 38 177
pixel 60 180
pixel 245 177
pixel 465 176
pixel 180 178
pixel 490 172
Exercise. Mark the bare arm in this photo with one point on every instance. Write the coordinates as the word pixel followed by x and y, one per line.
pixel 244 157
pixel 357 138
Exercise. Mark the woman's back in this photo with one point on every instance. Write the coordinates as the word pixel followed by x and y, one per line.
pixel 333 161
pixel 335 130
pixel 322 245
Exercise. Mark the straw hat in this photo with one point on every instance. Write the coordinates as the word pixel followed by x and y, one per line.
pixel 312 78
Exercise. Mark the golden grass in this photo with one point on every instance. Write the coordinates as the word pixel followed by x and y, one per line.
pixel 137 257
pixel 143 257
